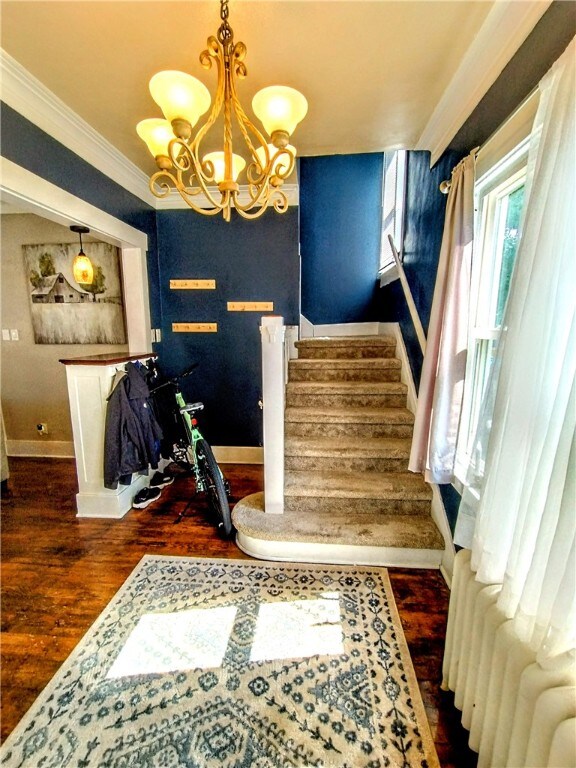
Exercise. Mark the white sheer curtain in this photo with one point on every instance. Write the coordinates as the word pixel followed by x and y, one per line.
pixel 442 380
pixel 518 512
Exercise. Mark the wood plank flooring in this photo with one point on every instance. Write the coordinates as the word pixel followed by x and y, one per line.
pixel 58 573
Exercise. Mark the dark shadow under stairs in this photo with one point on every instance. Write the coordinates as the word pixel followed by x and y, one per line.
pixel 348 495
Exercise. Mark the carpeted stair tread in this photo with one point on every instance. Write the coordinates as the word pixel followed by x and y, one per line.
pixel 347 347
pixel 346 388
pixel 376 447
pixel 343 369
pixel 371 530
pixel 347 341
pixel 350 415
pixel 353 485
pixel 360 363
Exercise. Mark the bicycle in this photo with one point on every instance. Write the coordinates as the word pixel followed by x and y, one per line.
pixel 189 449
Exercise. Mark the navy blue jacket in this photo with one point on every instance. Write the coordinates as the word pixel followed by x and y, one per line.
pixel 132 434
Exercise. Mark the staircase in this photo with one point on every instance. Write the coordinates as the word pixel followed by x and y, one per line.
pixel 348 497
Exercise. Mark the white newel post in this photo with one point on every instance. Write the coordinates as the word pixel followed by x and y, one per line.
pixel 272 333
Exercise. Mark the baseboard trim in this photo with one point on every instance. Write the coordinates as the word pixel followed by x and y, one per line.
pixel 338 554
pixel 48 449
pixel 238 454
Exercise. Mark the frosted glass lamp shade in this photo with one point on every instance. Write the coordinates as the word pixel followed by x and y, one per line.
pixel 281 160
pixel 82 269
pixel 180 96
pixel 156 134
pixel 218 163
pixel 279 108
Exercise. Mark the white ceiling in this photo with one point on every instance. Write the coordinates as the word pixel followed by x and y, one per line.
pixel 373 72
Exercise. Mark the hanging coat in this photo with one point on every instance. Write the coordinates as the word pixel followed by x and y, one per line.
pixel 132 434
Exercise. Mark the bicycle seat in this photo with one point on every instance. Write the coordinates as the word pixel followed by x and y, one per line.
pixel 192 408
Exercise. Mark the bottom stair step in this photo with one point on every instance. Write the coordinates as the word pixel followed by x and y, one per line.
pixel 335 528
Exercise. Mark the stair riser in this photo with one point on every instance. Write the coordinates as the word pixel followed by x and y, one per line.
pixel 354 506
pixel 347 464
pixel 308 400
pixel 345 353
pixel 346 374
pixel 316 429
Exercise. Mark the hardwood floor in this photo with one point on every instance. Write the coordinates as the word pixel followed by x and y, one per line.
pixel 58 573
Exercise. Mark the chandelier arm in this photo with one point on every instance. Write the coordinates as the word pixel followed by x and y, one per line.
pixel 187 162
pixel 243 211
pixel 243 121
pixel 214 51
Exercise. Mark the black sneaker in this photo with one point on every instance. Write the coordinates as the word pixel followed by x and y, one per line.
pixel 160 480
pixel 145 496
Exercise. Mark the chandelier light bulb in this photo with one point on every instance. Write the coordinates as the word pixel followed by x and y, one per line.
pixel 180 96
pixel 219 164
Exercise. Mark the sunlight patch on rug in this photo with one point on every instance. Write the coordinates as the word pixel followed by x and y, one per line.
pixel 169 642
pixel 234 664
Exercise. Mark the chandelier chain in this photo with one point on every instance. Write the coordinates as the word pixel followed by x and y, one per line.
pixel 225 33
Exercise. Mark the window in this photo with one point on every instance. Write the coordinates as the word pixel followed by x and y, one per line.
pixel 393 194
pixel 499 203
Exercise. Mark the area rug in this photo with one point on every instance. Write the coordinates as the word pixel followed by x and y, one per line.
pixel 235 664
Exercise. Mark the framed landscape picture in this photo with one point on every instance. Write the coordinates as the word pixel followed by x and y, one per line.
pixel 67 312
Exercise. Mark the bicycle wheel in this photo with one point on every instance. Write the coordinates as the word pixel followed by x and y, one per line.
pixel 214 485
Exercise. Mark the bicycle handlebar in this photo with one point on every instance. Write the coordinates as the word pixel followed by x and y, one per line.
pixel 174 380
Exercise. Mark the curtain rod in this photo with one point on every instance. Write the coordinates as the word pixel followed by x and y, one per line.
pixel 444 186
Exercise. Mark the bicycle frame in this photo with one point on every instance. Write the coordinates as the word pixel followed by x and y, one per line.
pixel 194 435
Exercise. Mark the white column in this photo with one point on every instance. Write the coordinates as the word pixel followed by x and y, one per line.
pixel 272 333
pixel 88 389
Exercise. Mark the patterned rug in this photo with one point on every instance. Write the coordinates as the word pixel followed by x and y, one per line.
pixel 234 664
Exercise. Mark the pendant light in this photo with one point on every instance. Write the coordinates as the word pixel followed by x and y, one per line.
pixel 82 266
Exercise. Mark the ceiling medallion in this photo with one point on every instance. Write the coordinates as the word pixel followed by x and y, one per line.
pixel 183 99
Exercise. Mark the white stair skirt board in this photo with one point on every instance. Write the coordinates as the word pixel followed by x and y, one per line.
pixel 337 554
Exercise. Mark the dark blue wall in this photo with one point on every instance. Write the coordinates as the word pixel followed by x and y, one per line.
pixel 250 261
pixel 25 144
pixel 340 220
pixel 424 223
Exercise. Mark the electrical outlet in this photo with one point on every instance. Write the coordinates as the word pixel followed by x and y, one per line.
pixel 14 336
pixel 42 429
pixel 5 334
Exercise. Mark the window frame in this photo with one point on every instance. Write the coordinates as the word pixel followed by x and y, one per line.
pixel 496 185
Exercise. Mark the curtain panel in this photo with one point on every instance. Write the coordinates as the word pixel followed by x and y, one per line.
pixel 442 381
pixel 518 508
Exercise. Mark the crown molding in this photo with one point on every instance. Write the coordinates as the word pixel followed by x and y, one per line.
pixel 30 98
pixel 507 25
pixel 175 202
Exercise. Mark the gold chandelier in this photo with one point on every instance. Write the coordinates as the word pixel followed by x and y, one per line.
pixel 183 99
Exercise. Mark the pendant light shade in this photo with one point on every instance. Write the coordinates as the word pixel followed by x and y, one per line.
pixel 279 109
pixel 157 134
pixel 218 161
pixel 180 96
pixel 82 268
